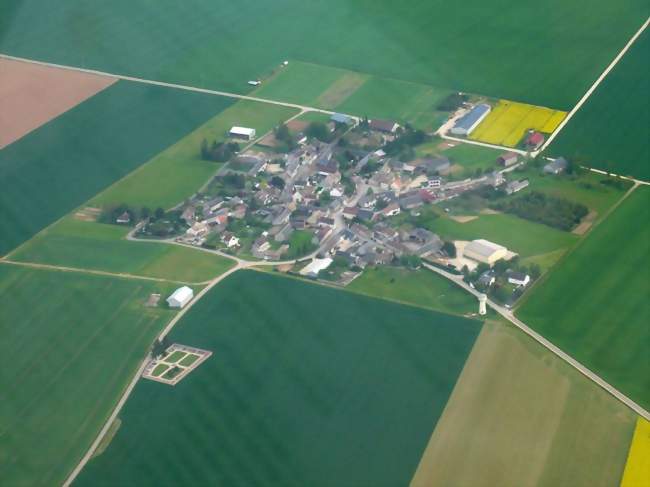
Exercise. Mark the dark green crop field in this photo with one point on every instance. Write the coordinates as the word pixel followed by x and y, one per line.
pixel 52 170
pixel 477 45
pixel 70 344
pixel 610 131
pixel 306 386
pixel 595 303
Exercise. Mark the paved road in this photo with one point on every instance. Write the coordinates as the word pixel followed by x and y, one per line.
pixel 507 314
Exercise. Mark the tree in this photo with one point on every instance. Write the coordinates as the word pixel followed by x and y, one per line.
pixel 535 271
pixel 282 133
pixel 278 182
pixel 319 130
pixel 159 213
pixel 145 212
pixel 449 248
pixel 205 152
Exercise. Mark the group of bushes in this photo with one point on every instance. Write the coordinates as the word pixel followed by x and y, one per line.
pixel 541 208
pixel 218 151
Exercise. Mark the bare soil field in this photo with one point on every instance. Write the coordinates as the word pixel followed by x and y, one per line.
pixel 31 95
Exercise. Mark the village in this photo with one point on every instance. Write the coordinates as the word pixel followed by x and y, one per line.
pixel 326 199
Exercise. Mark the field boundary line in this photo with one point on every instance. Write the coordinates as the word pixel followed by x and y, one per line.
pixel 136 377
pixel 485 144
pixel 594 86
pixel 177 86
pixel 121 275
pixel 588 373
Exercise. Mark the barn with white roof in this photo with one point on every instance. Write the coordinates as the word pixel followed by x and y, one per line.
pixel 180 297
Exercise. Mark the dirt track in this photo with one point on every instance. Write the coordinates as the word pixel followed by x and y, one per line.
pixel 31 95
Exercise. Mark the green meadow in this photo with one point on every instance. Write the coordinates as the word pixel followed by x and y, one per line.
pixel 610 131
pixel 594 304
pixel 70 344
pixel 476 46
pixel 419 288
pixel 57 167
pixel 307 385
pixel 178 172
pixel 99 246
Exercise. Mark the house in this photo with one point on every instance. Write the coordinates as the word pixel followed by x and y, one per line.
pixel 197 229
pixel 387 126
pixel 486 279
pixel 315 266
pixel 242 133
pixel 180 297
pixel 515 186
pixel 342 118
pixel 411 201
pixel 230 240
pixel 261 244
pixel 350 212
pixel 558 166
pixel 507 159
pixel 365 215
pixel 255 82
pixel 518 278
pixel 484 251
pixel 438 165
pixel 535 140
pixel 434 182
pixel 238 211
pixel 466 124
pixel 495 178
pixel 123 218
pixel 391 210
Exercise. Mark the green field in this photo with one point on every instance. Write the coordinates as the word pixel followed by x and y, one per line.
pixel 98 246
pixel 464 46
pixel 420 288
pixel 57 167
pixel 178 172
pixel 610 131
pixel 519 416
pixel 594 304
pixel 70 344
pixel 521 236
pixel 307 386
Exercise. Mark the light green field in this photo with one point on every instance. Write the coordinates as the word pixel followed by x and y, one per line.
pixel 178 172
pixel 189 360
pixel 521 236
pixel 420 288
pixel 159 369
pixel 595 303
pixel 70 344
pixel 98 246
pixel 356 93
pixel 175 357
pixel 519 417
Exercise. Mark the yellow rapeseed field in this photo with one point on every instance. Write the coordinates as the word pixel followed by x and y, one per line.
pixel 637 468
pixel 509 121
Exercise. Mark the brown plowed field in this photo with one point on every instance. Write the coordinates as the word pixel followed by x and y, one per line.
pixel 31 95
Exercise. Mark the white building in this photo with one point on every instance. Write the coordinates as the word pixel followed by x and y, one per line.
pixel 242 133
pixel 518 279
pixel 315 266
pixel 466 124
pixel 484 251
pixel 180 297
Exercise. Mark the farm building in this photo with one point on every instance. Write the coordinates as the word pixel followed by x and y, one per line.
pixel 242 133
pixel 535 140
pixel 468 122
pixel 180 297
pixel 484 251
pixel 342 118
pixel 557 166
pixel 515 186
pixel 507 159
pixel 387 126
pixel 518 278
pixel 315 266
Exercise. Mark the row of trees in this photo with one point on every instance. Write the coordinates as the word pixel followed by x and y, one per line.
pixel 403 145
pixel 112 214
pixel 549 210
pixel 218 151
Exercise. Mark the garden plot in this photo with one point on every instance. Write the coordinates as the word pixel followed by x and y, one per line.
pixel 176 363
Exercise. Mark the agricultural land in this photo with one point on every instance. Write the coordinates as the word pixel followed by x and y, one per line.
pixel 563 48
pixel 610 131
pixel 52 170
pixel 519 416
pixel 70 344
pixel 595 303
pixel 32 95
pixel 637 468
pixel 285 404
